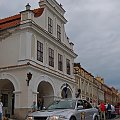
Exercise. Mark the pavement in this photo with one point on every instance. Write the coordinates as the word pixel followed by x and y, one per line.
pixel 116 118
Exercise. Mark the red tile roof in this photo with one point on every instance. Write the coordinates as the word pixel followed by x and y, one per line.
pixel 38 12
pixel 10 21
pixel 13 21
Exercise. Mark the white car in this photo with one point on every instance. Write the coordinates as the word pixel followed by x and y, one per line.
pixel 67 109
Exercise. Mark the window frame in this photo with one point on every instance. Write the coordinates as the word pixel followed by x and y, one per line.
pixel 39 51
pixel 59 32
pixel 60 62
pixel 50 25
pixel 51 57
pixel 68 67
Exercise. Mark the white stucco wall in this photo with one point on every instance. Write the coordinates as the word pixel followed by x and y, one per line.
pixel 9 50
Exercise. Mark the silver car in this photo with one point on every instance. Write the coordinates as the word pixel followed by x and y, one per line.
pixel 67 109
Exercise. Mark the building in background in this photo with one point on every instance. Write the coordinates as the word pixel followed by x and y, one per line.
pixel 114 96
pixel 90 87
pixel 100 93
pixel 93 88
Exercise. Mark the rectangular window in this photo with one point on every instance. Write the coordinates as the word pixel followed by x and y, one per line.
pixel 68 66
pixel 40 51
pixel 51 57
pixel 60 62
pixel 58 32
pixel 50 25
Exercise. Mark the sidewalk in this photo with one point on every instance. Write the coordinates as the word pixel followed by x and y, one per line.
pixel 117 117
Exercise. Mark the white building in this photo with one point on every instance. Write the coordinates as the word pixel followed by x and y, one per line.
pixel 36 58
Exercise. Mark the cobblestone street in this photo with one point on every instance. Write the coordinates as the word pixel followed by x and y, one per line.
pixel 116 118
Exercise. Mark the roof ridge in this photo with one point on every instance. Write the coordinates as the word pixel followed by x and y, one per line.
pixel 13 17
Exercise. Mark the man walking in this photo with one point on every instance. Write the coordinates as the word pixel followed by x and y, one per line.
pixel 1 105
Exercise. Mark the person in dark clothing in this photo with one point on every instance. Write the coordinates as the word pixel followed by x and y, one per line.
pixel 109 110
pixel 39 104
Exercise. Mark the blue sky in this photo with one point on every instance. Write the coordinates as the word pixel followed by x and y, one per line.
pixel 94 28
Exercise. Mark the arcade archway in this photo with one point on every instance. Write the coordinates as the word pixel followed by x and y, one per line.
pixel 7 96
pixel 45 93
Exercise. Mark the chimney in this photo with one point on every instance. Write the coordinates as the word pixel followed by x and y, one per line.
pixel 27 14
pixel 71 45
pixel 28 7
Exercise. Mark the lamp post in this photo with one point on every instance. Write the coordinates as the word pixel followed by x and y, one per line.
pixel 65 90
pixel 78 93
pixel 29 76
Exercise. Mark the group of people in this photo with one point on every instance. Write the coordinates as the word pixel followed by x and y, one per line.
pixel 105 110
pixel 37 106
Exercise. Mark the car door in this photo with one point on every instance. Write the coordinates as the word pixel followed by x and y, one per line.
pixel 80 113
pixel 88 110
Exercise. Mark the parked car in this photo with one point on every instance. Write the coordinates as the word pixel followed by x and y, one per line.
pixel 66 109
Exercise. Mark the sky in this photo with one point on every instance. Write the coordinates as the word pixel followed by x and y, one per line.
pixel 94 28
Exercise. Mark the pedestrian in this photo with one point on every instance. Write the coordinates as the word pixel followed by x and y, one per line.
pixel 102 111
pixel 34 106
pixel 113 115
pixel 39 104
pixel 109 109
pixel 1 105
pixel 98 107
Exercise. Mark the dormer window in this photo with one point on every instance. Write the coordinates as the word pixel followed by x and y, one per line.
pixel 58 32
pixel 50 25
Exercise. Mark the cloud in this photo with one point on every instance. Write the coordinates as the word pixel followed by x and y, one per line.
pixel 15 7
pixel 94 28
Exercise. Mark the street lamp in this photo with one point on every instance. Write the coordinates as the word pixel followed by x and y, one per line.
pixel 29 76
pixel 78 93
pixel 65 90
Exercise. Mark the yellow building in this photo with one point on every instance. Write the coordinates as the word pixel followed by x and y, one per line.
pixel 90 87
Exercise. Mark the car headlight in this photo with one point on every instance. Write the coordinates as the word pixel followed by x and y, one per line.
pixel 29 118
pixel 60 117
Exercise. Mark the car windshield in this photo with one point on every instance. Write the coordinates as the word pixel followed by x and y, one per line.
pixel 63 104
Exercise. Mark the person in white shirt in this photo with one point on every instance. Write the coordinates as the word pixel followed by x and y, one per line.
pixel 1 105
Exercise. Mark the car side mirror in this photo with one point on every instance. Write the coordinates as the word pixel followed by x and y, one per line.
pixel 80 107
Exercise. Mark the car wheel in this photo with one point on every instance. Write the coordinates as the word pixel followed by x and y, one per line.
pixel 72 118
pixel 96 118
